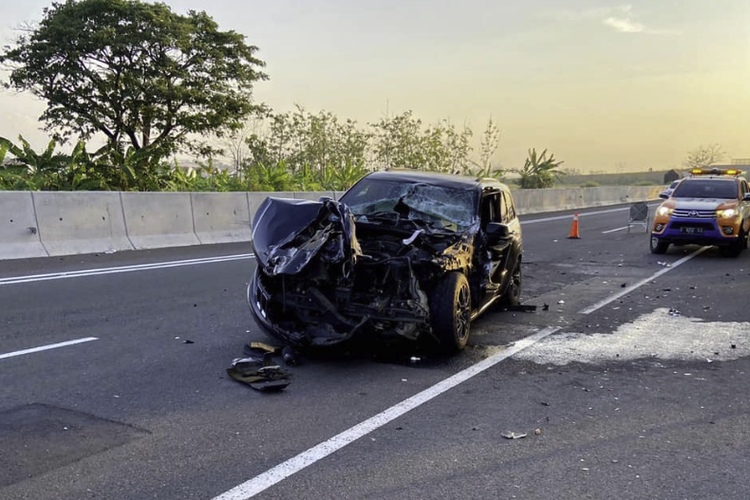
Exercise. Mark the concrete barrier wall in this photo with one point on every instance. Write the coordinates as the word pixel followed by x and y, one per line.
pixel 44 224
pixel 19 235
pixel 80 222
pixel 158 220
pixel 531 201
pixel 221 217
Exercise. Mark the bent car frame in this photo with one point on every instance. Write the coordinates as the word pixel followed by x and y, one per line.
pixel 403 254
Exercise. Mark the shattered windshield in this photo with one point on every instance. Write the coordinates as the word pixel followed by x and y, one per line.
pixel 444 207
pixel 704 188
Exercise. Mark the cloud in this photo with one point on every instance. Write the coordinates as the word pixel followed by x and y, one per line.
pixel 623 21
pixel 620 18
pixel 624 25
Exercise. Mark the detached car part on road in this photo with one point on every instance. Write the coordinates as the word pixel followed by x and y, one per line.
pixel 710 207
pixel 403 254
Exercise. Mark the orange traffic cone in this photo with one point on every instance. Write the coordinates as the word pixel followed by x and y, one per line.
pixel 574 228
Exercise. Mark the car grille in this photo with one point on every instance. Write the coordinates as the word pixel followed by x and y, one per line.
pixel 694 214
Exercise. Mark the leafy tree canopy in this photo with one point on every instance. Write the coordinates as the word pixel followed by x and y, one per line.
pixel 136 72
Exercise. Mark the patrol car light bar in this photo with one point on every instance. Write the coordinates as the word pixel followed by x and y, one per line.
pixel 715 171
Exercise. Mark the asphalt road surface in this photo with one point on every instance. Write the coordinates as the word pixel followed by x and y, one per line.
pixel 631 384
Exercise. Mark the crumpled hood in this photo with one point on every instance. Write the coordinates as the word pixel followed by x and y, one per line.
pixel 288 233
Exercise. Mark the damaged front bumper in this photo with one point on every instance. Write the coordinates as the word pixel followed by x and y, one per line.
pixel 310 317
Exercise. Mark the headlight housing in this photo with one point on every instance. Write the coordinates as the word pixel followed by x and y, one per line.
pixel 664 211
pixel 727 213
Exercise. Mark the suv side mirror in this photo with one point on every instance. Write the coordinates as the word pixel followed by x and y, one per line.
pixel 323 199
pixel 746 197
pixel 496 231
pixel 663 195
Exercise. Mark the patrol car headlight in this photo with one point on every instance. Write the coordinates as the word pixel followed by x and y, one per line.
pixel 665 211
pixel 726 214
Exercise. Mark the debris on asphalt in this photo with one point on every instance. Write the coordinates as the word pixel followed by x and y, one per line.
pixel 259 370
pixel 186 341
pixel 415 359
pixel 545 403
pixel 561 302
pixel 538 432
pixel 624 285
pixel 734 346
pixel 260 348
pixel 545 307
pixel 261 378
pixel 673 312
pixel 290 356
pixel 513 435
pixel 522 308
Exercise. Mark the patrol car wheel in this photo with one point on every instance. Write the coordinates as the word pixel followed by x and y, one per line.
pixel 658 246
pixel 736 248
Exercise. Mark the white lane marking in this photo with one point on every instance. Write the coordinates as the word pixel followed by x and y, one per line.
pixel 282 471
pixel 629 289
pixel 121 269
pixel 614 230
pixel 47 347
pixel 580 214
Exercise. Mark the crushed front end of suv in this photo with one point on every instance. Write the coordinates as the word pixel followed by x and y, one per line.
pixel 710 207
pixel 401 255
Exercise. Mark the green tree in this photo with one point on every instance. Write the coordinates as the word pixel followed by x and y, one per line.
pixel 539 171
pixel 135 72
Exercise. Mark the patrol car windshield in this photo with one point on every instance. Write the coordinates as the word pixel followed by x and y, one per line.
pixel 707 188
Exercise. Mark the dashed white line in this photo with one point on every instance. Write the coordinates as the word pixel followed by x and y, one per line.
pixel 121 269
pixel 282 471
pixel 629 289
pixel 614 230
pixel 47 347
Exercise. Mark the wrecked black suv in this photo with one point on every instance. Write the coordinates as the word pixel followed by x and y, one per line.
pixel 402 254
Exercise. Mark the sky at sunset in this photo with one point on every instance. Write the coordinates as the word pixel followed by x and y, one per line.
pixel 603 85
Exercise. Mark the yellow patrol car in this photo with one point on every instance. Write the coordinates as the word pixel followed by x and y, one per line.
pixel 709 207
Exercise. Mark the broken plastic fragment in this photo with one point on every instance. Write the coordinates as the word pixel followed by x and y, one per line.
pixel 513 435
pixel 290 356
pixel 264 379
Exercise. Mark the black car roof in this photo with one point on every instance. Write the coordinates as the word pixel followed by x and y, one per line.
pixel 438 179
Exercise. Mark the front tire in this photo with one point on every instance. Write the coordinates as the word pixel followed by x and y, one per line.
pixel 657 246
pixel 512 295
pixel 736 248
pixel 450 306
